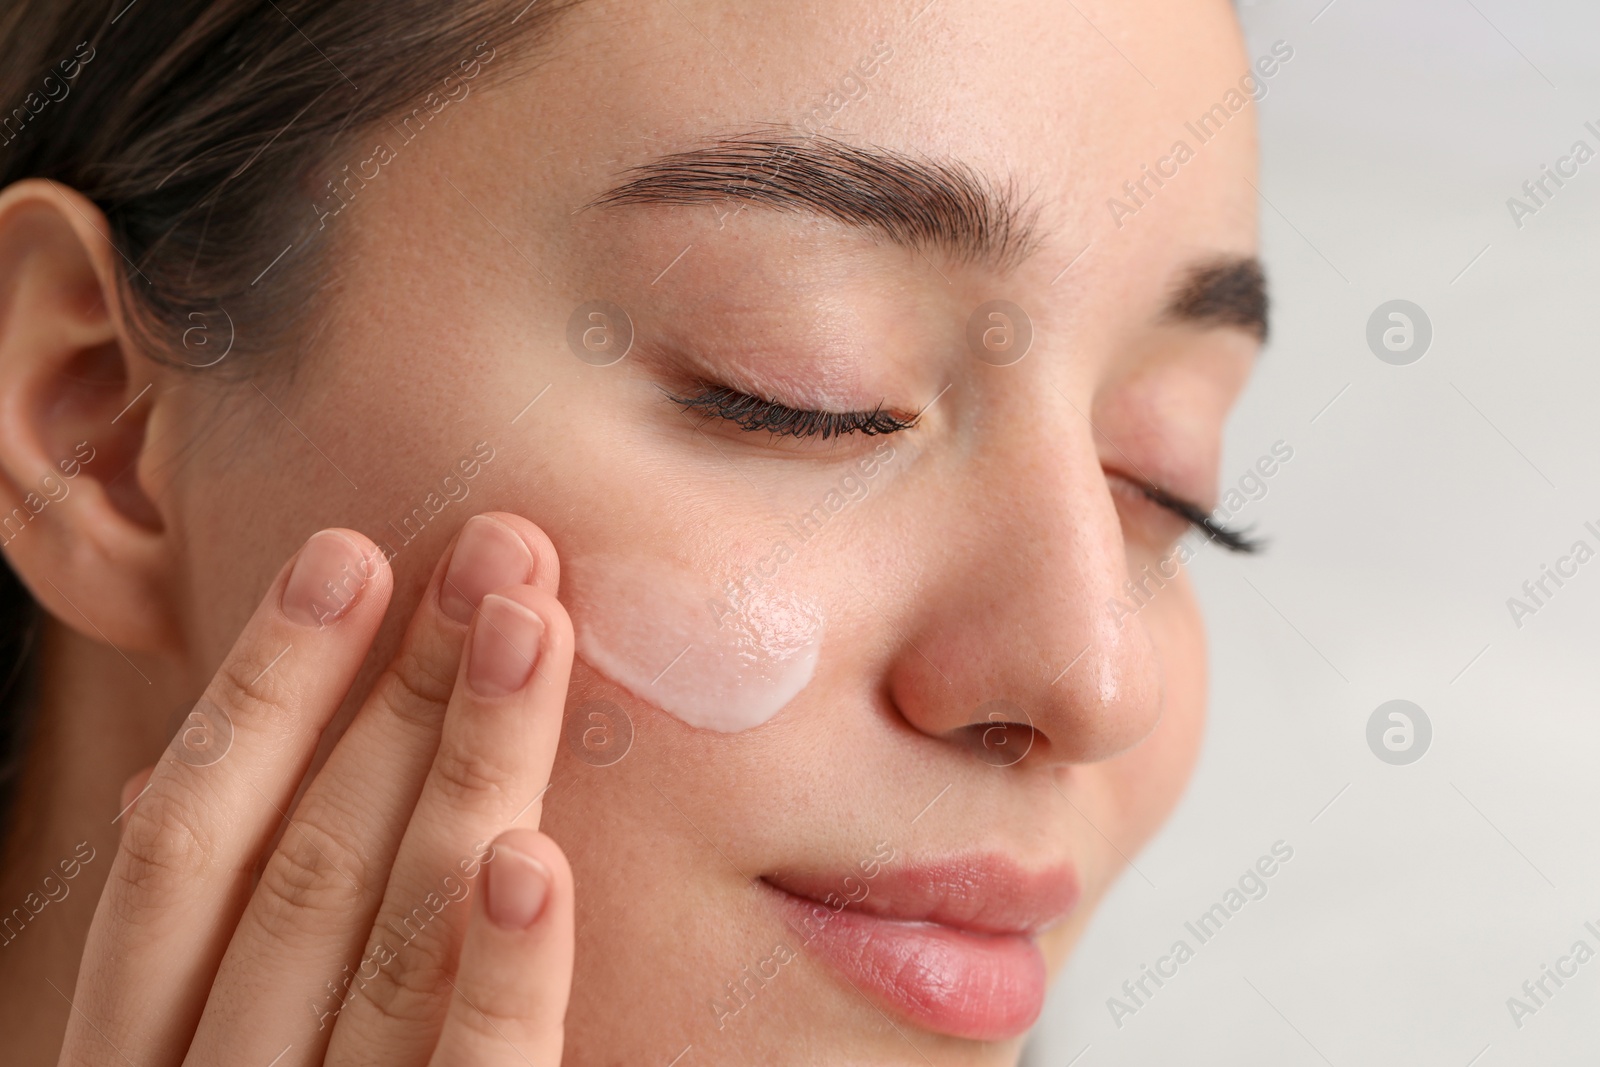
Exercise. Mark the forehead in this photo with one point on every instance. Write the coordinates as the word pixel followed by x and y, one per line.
pixel 1059 105
pixel 1071 101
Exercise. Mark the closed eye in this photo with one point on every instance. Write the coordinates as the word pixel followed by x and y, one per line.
pixel 1229 538
pixel 752 413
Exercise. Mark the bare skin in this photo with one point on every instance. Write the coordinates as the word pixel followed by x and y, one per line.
pixel 978 567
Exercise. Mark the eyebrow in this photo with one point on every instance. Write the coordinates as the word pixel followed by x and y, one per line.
pixel 917 203
pixel 1225 292
pixel 914 202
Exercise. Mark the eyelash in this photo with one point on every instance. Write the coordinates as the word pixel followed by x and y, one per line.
pixel 752 414
pixel 1230 538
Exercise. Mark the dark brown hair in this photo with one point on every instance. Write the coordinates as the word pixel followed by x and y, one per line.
pixel 212 134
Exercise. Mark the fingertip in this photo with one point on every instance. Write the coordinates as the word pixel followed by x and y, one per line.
pixel 558 634
pixel 487 553
pixel 537 846
pixel 517 886
pixel 526 879
pixel 546 561
pixel 333 572
pixel 516 961
pixel 503 651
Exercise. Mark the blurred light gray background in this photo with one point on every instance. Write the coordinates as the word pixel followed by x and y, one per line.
pixel 1420 897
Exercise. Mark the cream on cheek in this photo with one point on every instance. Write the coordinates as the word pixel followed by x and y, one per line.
pixel 654 628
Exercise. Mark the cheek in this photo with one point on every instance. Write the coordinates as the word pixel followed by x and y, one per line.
pixel 719 659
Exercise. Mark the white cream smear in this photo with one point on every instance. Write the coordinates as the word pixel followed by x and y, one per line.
pixel 669 636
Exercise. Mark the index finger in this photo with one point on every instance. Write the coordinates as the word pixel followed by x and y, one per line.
pixel 183 871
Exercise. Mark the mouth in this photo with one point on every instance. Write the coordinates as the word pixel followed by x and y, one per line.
pixel 951 947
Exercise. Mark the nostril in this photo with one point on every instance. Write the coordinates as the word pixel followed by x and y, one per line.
pixel 1001 733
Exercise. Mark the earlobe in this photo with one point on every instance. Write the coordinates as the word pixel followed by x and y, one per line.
pixel 76 397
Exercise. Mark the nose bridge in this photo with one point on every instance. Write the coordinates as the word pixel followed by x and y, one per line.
pixel 1022 618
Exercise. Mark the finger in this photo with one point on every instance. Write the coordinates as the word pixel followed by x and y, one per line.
pixel 132 788
pixel 182 872
pixel 494 759
pixel 509 997
pixel 301 941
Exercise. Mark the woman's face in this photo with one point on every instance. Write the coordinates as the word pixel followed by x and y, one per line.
pixel 917 587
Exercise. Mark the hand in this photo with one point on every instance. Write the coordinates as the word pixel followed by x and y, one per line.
pixel 384 928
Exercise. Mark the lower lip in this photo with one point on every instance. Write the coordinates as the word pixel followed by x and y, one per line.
pixel 976 986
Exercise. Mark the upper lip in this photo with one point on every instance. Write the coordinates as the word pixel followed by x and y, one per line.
pixel 984 894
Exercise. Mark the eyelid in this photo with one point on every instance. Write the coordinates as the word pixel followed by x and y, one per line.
pixel 753 413
pixel 1234 540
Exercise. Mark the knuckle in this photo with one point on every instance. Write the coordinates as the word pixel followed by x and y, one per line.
pixel 164 849
pixel 314 870
pixel 493 1014
pixel 416 687
pixel 466 776
pixel 246 693
pixel 410 986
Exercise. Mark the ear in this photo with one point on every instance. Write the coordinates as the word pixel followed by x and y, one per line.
pixel 76 522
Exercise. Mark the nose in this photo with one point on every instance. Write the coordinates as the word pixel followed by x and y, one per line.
pixel 1017 648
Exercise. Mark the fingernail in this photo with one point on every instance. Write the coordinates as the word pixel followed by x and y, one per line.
pixel 489 555
pixel 328 576
pixel 505 647
pixel 517 889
